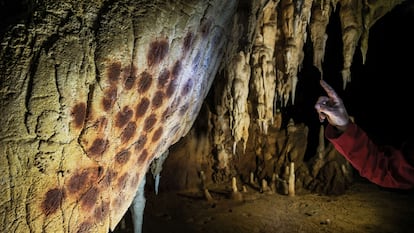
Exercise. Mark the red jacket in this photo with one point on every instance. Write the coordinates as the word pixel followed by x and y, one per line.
pixel 383 165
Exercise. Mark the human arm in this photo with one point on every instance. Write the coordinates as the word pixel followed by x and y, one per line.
pixel 382 165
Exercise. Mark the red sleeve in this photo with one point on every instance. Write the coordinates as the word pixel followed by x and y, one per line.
pixel 384 166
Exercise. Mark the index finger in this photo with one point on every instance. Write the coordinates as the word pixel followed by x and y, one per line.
pixel 329 90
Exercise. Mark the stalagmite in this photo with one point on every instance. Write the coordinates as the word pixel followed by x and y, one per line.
pixel 206 193
pixel 265 187
pixel 284 187
pixel 291 181
pixel 235 195
pixel 281 184
pixel 208 196
pixel 273 184
pixel 252 181
pixel 347 169
pixel 203 180
pixel 320 159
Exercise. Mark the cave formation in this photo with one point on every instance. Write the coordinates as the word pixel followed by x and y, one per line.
pixel 250 120
pixel 369 96
pixel 260 150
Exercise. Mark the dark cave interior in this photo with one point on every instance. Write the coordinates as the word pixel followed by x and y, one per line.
pixel 379 95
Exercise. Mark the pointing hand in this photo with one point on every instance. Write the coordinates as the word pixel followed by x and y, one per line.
pixel 332 108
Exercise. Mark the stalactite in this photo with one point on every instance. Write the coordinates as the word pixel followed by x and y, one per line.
pixel 257 81
pixel 137 207
pixel 321 11
pixel 239 76
pixel 350 14
pixel 264 73
pixel 295 16
pixel 156 168
pixel 220 141
pixel 373 10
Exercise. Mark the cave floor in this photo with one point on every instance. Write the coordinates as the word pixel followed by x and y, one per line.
pixel 363 208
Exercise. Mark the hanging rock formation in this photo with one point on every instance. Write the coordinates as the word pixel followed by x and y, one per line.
pixel 278 36
pixel 92 92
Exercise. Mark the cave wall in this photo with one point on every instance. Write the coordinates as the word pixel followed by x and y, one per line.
pixel 91 93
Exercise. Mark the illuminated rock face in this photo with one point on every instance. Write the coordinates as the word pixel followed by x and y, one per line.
pixel 90 104
pixel 92 93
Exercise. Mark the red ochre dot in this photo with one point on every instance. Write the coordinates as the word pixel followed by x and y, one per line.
pixel 143 157
pixel 129 82
pixel 122 157
pixel 123 117
pixel 188 41
pixel 79 114
pixel 98 147
pixel 157 134
pixel 187 87
pixel 158 99
pixel 176 69
pixel 114 72
pixel 171 88
pixel 78 182
pixel 84 227
pixel 128 132
pixel 52 201
pixel 142 107
pixel 205 28
pixel 102 211
pixel 150 122
pixel 130 75
pixel 122 180
pixel 109 99
pixel 139 145
pixel 163 78
pixel 144 82
pixel 108 178
pixel 157 51
pixel 89 198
